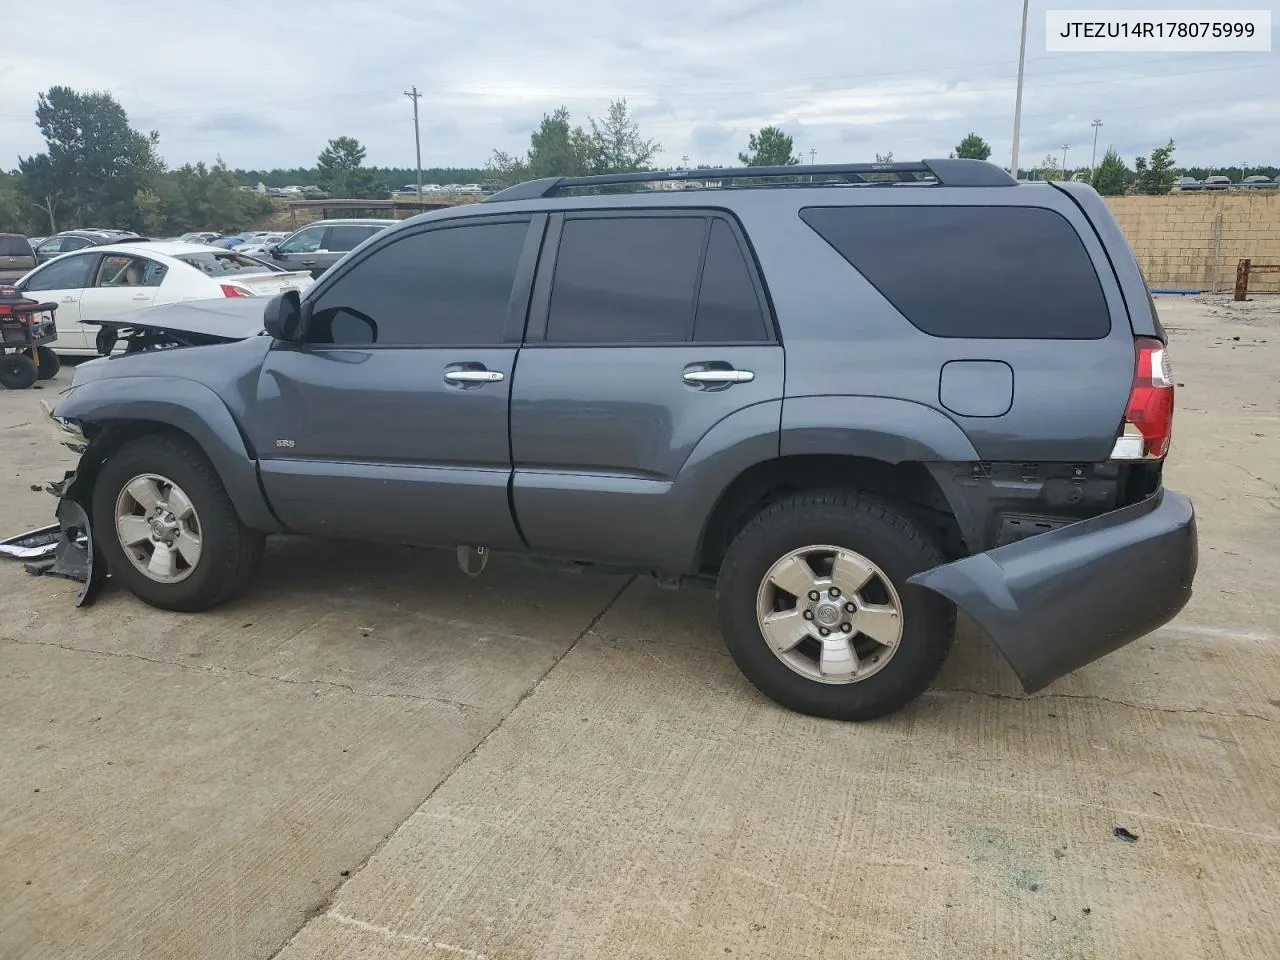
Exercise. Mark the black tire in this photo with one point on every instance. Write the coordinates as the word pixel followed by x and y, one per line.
pixel 884 536
pixel 18 371
pixel 48 363
pixel 230 551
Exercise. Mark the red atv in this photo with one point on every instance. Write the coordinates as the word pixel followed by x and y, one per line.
pixel 27 327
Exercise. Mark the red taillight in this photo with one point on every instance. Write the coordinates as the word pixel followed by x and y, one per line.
pixel 231 290
pixel 1148 419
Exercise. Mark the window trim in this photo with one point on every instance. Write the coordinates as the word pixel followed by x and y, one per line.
pixel 536 335
pixel 1075 232
pixel 517 304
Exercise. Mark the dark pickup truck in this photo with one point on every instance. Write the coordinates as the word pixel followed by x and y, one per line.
pixel 855 396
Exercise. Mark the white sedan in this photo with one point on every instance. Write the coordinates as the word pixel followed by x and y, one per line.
pixel 114 279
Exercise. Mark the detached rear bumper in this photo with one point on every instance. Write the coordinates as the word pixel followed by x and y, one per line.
pixel 1058 600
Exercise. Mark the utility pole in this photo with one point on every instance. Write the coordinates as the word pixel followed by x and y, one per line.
pixel 1093 160
pixel 1065 148
pixel 1017 103
pixel 417 140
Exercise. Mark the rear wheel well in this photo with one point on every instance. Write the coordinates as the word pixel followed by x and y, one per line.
pixel 908 485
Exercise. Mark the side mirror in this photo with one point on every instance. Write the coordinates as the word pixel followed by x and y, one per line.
pixel 282 317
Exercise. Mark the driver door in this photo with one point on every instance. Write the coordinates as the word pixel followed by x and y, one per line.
pixel 389 421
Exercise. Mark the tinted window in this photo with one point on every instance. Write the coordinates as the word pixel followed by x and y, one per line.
pixel 627 279
pixel 50 247
pixel 996 272
pixel 728 309
pixel 73 243
pixel 448 286
pixel 348 238
pixel 70 273
pixel 14 247
pixel 304 241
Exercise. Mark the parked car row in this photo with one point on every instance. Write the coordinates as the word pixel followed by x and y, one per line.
pixel 464 189
pixel 118 278
pixel 1255 182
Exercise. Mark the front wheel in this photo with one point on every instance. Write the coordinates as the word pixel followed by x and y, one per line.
pixel 167 528
pixel 816 610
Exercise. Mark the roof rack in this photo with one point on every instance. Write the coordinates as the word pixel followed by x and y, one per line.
pixel 946 173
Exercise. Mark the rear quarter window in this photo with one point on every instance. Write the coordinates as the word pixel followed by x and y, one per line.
pixel 973 272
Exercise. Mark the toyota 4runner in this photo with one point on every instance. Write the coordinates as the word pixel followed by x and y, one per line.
pixel 856 396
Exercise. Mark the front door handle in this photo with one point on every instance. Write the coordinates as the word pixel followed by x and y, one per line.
pixel 474 376
pixel 720 376
pixel 140 296
pixel 68 299
pixel 308 263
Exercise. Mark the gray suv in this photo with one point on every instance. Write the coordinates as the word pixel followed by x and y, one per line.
pixel 854 397
pixel 318 246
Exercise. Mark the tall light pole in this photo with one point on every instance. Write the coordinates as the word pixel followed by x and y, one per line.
pixel 813 154
pixel 1065 148
pixel 417 140
pixel 1017 103
pixel 1093 160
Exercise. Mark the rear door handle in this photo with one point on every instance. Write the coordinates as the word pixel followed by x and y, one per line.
pixel 68 299
pixel 140 296
pixel 718 376
pixel 474 376
pixel 308 263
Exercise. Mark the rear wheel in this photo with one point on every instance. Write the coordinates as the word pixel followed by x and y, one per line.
pixel 17 371
pixel 167 528
pixel 48 363
pixel 816 610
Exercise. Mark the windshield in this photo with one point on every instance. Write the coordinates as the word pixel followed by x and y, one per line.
pixel 227 264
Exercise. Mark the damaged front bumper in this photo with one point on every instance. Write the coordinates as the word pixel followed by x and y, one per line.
pixel 66 548
pixel 1059 600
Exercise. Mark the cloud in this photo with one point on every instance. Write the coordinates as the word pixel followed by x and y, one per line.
pixel 913 78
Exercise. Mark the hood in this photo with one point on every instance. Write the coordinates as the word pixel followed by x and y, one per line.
pixel 226 318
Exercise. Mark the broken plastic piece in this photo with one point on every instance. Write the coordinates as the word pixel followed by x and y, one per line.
pixel 73 556
pixel 33 545
pixel 1125 835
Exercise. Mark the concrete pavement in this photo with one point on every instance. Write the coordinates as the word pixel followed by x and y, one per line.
pixel 537 764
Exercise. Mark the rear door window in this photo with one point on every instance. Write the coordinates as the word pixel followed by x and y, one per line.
pixel 343 238
pixel 729 309
pixel 626 280
pixel 974 272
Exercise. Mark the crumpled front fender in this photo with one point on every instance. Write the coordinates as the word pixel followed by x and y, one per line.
pixel 1059 600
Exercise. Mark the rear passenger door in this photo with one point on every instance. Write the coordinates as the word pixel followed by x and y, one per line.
pixel 646 330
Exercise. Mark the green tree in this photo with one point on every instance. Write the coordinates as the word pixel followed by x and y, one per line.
pixel 1049 169
pixel 769 148
pixel 94 163
pixel 1156 175
pixel 973 147
pixel 198 197
pixel 616 145
pixel 1111 176
pixel 341 171
pixel 558 150
pixel 12 219
pixel 884 157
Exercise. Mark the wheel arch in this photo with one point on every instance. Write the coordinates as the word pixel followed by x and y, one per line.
pixel 111 412
pixel 908 484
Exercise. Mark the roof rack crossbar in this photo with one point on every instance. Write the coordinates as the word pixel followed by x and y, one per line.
pixel 945 172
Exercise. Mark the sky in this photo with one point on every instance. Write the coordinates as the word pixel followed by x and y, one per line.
pixel 266 85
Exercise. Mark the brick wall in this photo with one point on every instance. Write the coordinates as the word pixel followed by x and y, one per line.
pixel 1173 237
